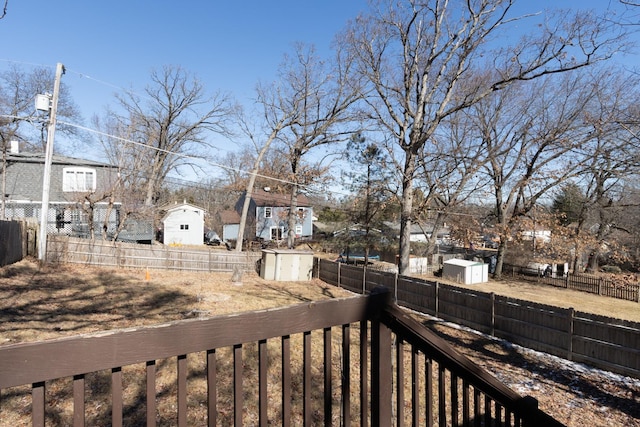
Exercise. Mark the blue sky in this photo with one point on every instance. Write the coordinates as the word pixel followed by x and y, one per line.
pixel 229 45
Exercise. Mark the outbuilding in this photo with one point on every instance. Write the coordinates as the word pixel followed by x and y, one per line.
pixel 183 225
pixel 286 265
pixel 467 272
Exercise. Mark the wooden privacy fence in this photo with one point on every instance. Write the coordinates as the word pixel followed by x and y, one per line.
pixel 131 255
pixel 351 361
pixel 615 288
pixel 600 341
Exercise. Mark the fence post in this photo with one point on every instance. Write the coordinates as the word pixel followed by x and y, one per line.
pixel 566 281
pixel 364 279
pixel 437 297
pixel 493 314
pixel 571 312
pixel 600 286
pixel 339 284
pixel 395 287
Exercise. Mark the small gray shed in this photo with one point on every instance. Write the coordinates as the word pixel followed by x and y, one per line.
pixel 286 265
pixel 467 272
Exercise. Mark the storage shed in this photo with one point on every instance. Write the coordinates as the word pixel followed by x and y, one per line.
pixel 183 225
pixel 467 272
pixel 286 265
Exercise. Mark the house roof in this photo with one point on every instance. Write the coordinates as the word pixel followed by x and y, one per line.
pixel 267 198
pixel 56 159
pixel 175 206
pixel 230 217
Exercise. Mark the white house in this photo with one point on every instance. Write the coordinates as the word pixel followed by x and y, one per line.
pixel 183 224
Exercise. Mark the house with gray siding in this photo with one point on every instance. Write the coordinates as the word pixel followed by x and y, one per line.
pixel 73 183
pixel 267 219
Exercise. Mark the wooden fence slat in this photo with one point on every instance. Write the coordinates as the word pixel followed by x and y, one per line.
pixel 346 374
pixel 38 404
pixel 116 397
pixel 263 401
pixel 182 390
pixel 238 391
pixel 328 396
pixel 286 380
pixel 212 388
pixel 306 378
pixel 78 401
pixel 150 373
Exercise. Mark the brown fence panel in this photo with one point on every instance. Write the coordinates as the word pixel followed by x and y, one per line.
pixel 465 307
pixel 417 294
pixel 351 278
pixel 328 271
pixel 607 343
pixel 13 242
pixel 536 326
pixel 375 279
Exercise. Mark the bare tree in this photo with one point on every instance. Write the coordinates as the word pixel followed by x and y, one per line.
pixel 421 59
pixel 319 95
pixel 172 124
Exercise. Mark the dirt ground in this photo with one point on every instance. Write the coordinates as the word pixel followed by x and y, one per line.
pixel 51 302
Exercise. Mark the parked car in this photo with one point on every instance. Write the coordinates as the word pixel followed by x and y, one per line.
pixel 536 269
pixel 212 238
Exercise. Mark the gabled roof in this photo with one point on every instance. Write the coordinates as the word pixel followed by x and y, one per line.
pixel 267 198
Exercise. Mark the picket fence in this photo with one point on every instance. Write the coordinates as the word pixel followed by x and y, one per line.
pixel 599 341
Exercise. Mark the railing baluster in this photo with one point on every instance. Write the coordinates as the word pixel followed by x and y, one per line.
pixel 151 392
pixel 37 404
pixel 415 386
pixel 381 374
pixel 212 388
pixel 454 400
pixel 477 413
pixel 346 375
pixel 487 410
pixel 116 397
pixel 442 397
pixel 182 390
pixel 498 416
pixel 263 401
pixel 466 410
pixel 399 382
pixel 328 398
pixel 428 379
pixel 306 378
pixel 78 401
pixel 238 398
pixel 364 373
pixel 286 381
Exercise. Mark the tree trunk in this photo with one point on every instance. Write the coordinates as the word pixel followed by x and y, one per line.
pixel 407 211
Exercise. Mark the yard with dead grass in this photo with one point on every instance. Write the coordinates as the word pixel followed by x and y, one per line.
pixel 54 301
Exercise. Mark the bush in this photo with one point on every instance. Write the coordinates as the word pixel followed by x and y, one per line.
pixel 611 269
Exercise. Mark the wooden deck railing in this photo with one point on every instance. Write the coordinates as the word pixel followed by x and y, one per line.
pixel 353 361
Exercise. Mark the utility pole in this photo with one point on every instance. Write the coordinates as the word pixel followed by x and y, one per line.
pixel 46 180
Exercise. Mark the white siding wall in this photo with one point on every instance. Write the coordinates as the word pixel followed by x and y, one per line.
pixel 184 226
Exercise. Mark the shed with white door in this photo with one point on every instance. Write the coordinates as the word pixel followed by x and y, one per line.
pixel 467 272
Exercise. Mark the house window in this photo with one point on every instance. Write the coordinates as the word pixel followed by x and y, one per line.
pixel 267 212
pixel 301 213
pixel 298 230
pixel 78 179
pixel 276 233
pixel 184 226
